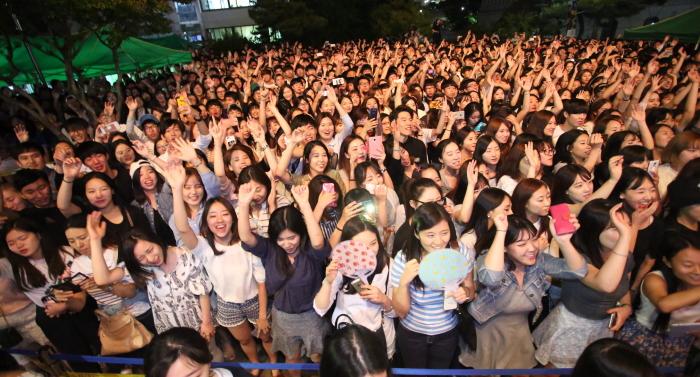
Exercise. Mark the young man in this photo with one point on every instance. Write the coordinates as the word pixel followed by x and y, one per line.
pixel 30 155
pixel 96 157
pixel 575 111
pixel 77 129
pixel 33 186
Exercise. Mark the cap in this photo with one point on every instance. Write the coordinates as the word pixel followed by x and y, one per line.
pixel 136 165
pixel 147 118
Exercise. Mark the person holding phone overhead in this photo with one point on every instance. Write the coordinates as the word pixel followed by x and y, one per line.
pixel 596 306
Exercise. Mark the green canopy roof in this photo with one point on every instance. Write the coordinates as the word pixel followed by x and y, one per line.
pixel 93 59
pixel 685 27
pixel 170 41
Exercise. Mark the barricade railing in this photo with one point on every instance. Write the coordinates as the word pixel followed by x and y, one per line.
pixel 315 367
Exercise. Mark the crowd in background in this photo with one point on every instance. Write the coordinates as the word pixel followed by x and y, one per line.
pixel 214 198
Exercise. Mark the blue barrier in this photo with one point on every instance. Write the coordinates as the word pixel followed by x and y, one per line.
pixel 315 367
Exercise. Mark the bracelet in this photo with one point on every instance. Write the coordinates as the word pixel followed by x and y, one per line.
pixel 504 231
pixel 382 170
pixel 264 147
pixel 64 180
pixel 622 255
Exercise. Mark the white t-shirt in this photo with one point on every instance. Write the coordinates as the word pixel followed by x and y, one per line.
pixel 235 274
pixel 136 305
pixel 36 294
pixel 507 184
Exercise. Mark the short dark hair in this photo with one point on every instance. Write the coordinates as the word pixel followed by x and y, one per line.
pixel 575 106
pixel 354 351
pixel 90 148
pixel 74 124
pixel 25 147
pixel 24 177
pixel 400 109
pixel 302 120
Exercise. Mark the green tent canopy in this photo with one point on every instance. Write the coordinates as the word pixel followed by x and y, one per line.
pixel 684 26
pixel 93 59
pixel 170 41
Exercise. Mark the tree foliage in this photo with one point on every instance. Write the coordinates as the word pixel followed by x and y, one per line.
pixel 315 21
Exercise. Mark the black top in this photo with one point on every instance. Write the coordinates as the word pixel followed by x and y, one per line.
pixel 647 245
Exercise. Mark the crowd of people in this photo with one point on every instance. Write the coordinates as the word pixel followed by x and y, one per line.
pixel 214 199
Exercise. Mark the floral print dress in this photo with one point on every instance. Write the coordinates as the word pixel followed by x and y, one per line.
pixel 174 296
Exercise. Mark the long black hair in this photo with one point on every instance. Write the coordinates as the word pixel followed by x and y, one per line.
pixel 26 275
pixel 516 226
pixel 204 227
pixel 139 194
pixel 594 219
pixel 672 242
pixel 488 199
pixel 353 227
pixel 287 218
pixel 427 216
pixel 126 252
pixel 610 357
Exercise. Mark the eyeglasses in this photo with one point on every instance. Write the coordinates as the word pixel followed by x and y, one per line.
pixel 547 151
pixel 440 201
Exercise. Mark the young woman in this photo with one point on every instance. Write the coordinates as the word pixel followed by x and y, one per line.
pixel 100 194
pixel 327 204
pixel 112 297
pixel 521 162
pixel 38 262
pixel 317 159
pixel 513 277
pixel 352 152
pixel 237 276
pixel 194 196
pixel 427 335
pixel 574 147
pixel 294 258
pixel 177 287
pixel 490 201
pixel 597 305
pixel 154 197
pixel 542 124
pixel 450 160
pixel 370 307
pixel 531 201
pixel 637 191
pixel 670 294
pixel 124 153
pixel 488 153
pixel 573 184
pixel 684 147
pixel 613 358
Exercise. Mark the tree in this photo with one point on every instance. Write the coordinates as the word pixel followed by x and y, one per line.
pixel 67 24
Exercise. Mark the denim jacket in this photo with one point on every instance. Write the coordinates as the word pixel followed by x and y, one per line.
pixel 497 288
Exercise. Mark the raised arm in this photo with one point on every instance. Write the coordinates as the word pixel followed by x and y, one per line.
pixel 101 273
pixel 176 177
pixel 282 172
pixel 608 277
pixel 71 168
pixel 465 211
pixel 495 257
pixel 245 197
pixel 301 196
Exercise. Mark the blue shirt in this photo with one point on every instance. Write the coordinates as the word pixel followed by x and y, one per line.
pixel 294 294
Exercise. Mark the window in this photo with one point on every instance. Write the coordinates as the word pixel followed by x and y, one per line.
pixel 225 4
pixel 247 32
pixel 186 12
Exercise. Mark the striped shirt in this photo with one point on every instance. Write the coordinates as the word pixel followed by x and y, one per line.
pixel 427 314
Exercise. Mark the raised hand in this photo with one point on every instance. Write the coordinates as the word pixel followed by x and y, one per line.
pixel 217 132
pixel 141 149
pixel 21 132
pixel 71 167
pixel 331 272
pixel 615 167
pixel 175 175
pixel 619 220
pixel 561 238
pixel 131 103
pixel 500 221
pixel 245 194
pixel 301 194
pixel 95 226
pixel 596 140
pixel 184 150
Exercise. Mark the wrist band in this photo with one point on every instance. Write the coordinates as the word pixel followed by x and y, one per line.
pixel 498 230
pixel 64 180
pixel 622 255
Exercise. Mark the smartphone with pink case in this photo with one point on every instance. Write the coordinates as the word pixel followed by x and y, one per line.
pixel 375 146
pixel 560 214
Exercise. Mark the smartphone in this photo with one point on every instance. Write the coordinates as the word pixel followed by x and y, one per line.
pixel 357 284
pixel 182 102
pixel 613 318
pixel 435 104
pixel 338 81
pixel 480 127
pixel 66 286
pixel 375 145
pixel 230 141
pixel 560 214
pixel 329 188
pixel 459 115
pixel 319 55
pixel 107 129
pixel 372 113
pixel 653 167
